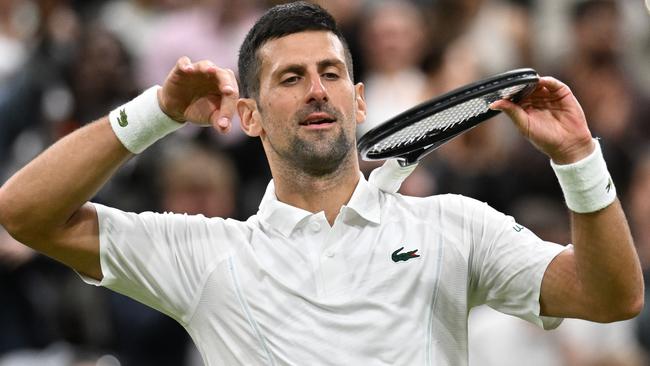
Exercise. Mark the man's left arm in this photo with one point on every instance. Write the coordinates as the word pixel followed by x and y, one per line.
pixel 600 278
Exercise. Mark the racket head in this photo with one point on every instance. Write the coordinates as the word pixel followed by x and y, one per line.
pixel 418 131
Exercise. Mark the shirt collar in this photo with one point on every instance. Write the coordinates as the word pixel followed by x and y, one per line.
pixel 284 218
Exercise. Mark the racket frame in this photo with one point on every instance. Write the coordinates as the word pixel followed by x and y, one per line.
pixel 412 153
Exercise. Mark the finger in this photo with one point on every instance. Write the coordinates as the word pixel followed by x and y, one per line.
pixel 184 64
pixel 551 84
pixel 207 67
pixel 229 96
pixel 514 111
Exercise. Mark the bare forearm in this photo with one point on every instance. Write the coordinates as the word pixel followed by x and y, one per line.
pixel 606 262
pixel 47 192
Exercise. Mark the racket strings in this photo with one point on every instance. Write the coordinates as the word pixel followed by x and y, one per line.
pixel 443 121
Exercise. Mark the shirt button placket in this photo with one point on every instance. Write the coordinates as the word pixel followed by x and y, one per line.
pixel 316 229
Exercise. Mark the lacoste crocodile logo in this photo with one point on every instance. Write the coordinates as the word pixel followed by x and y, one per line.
pixel 122 119
pixel 609 185
pixel 397 256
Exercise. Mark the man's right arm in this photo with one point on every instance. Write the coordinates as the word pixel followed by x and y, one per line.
pixel 44 205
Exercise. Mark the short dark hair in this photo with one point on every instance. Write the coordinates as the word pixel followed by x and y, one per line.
pixel 277 22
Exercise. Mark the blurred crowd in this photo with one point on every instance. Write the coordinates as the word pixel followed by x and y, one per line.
pixel 65 63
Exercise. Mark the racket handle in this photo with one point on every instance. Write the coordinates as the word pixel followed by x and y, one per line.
pixel 389 177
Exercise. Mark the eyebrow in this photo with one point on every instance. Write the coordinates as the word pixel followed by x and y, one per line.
pixel 300 68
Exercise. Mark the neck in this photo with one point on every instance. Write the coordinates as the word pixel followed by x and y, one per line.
pixel 326 193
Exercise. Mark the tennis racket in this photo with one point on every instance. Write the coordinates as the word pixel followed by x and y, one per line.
pixel 418 131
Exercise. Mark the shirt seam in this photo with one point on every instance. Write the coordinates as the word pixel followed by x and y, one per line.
pixel 247 312
pixel 189 316
pixel 434 294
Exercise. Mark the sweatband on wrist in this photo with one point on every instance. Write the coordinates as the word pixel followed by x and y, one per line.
pixel 586 184
pixel 389 177
pixel 140 122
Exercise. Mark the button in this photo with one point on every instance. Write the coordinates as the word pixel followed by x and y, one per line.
pixel 329 253
pixel 314 227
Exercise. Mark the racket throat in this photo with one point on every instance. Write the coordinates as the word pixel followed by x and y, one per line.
pixel 413 157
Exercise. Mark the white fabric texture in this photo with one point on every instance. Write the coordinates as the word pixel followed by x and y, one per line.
pixel 586 184
pixel 140 122
pixel 285 288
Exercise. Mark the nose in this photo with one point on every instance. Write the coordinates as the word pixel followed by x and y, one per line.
pixel 317 91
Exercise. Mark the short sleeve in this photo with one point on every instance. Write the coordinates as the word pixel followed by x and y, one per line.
pixel 507 265
pixel 161 260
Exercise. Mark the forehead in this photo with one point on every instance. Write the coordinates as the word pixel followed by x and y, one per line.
pixel 303 48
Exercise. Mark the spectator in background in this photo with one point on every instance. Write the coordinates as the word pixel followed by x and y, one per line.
pixel 203 30
pixel 14 34
pixel 613 105
pixel 394 37
pixel 393 34
pixel 25 99
pixel 134 22
pixel 195 180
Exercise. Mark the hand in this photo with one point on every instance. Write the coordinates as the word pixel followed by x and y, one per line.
pixel 552 119
pixel 200 92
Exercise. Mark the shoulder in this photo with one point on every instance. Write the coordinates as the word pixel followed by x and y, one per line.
pixel 448 210
pixel 448 204
pixel 166 223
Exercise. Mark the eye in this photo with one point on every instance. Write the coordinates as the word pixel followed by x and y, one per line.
pixel 331 76
pixel 290 80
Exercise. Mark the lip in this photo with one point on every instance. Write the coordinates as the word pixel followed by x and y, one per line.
pixel 318 116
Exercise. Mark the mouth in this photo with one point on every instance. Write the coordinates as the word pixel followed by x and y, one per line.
pixel 318 119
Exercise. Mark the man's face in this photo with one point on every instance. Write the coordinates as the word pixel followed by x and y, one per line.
pixel 308 105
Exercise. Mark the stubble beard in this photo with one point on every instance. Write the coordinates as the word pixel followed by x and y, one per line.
pixel 317 158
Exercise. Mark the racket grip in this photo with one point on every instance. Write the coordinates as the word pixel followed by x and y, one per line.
pixel 389 177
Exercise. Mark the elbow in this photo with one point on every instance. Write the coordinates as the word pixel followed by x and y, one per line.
pixel 11 219
pixel 637 307
pixel 6 216
pixel 623 310
pixel 634 306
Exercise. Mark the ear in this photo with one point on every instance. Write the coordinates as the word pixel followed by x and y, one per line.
pixel 360 100
pixel 249 116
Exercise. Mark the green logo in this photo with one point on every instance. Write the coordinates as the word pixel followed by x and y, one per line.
pixel 609 185
pixel 122 120
pixel 397 256
pixel 518 228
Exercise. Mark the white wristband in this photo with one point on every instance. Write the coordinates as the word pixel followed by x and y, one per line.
pixel 389 177
pixel 586 184
pixel 140 122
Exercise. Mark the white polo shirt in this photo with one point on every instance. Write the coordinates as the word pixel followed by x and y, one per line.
pixel 285 288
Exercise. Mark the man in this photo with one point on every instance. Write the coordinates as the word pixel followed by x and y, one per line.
pixel 331 270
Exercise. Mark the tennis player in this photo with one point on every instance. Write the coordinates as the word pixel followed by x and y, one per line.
pixel 331 270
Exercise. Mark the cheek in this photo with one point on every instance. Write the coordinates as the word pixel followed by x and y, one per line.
pixel 280 108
